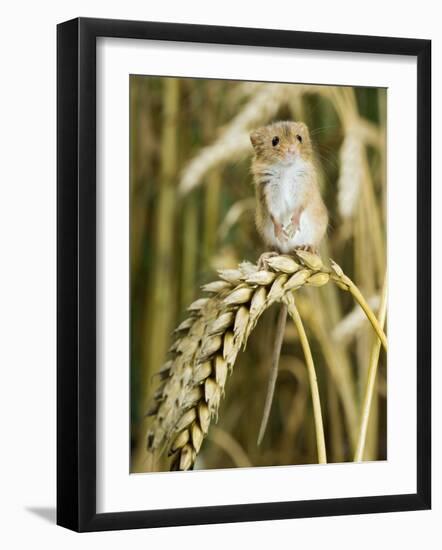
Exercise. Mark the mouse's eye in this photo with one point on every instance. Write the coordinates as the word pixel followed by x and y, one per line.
pixel 275 141
pixel 299 138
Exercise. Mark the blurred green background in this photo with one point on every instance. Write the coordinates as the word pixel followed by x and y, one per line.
pixel 192 212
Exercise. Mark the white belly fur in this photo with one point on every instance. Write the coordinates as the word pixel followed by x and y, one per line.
pixel 286 191
pixel 285 196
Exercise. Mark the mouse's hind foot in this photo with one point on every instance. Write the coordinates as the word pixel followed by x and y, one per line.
pixel 308 248
pixel 263 259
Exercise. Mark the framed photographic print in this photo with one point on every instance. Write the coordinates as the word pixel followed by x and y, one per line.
pixel 232 203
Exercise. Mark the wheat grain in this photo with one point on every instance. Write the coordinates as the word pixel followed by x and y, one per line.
pixel 216 286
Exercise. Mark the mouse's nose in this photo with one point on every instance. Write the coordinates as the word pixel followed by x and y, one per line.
pixel 292 149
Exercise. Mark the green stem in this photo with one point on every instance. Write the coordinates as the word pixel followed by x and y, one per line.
pixel 319 427
pixel 371 382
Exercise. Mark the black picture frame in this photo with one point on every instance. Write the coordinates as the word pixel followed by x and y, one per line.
pixel 76 273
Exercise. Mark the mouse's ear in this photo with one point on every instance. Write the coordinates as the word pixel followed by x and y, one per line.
pixel 256 138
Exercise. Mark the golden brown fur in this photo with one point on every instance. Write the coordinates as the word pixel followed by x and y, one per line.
pixel 290 212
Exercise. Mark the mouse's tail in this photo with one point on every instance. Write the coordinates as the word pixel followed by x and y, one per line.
pixel 280 328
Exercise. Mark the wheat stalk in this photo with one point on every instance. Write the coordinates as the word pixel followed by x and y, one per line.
pixel 317 414
pixel 345 283
pixel 372 371
pixel 353 322
pixel 208 341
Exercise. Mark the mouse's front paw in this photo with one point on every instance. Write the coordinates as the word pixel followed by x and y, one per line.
pixel 263 259
pixel 285 234
pixel 278 230
pixel 289 230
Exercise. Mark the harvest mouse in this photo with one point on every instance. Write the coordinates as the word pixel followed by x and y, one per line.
pixel 290 212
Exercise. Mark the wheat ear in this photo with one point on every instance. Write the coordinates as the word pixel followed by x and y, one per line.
pixel 207 343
